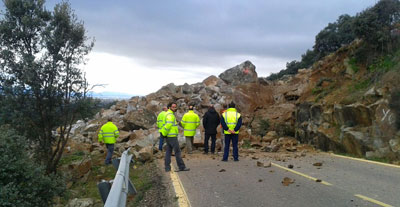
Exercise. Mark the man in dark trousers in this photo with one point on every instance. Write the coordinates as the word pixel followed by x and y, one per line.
pixel 170 133
pixel 210 124
pixel 231 122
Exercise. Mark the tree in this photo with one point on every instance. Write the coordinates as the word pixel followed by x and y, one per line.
pixel 42 89
pixel 375 25
pixel 334 36
pixel 307 59
pixel 22 181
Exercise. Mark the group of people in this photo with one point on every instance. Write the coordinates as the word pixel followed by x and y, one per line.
pixel 167 124
pixel 230 121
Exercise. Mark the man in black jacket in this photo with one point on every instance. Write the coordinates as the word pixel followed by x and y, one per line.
pixel 210 123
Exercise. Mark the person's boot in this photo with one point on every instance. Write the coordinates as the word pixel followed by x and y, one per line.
pixel 184 169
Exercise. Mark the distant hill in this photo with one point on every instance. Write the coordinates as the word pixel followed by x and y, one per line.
pixel 112 95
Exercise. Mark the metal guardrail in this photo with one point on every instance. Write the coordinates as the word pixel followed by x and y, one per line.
pixel 115 195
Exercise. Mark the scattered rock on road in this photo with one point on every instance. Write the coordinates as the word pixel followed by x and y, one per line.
pixel 287 181
pixel 222 170
pixel 318 164
pixel 262 164
pixel 268 164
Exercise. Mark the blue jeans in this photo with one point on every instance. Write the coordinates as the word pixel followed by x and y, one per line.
pixel 235 140
pixel 110 151
pixel 160 145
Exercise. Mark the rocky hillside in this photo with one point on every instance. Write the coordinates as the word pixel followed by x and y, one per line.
pixel 323 106
pixel 333 106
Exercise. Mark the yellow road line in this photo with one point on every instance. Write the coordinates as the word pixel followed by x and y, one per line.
pixel 299 173
pixel 364 160
pixel 183 200
pixel 373 200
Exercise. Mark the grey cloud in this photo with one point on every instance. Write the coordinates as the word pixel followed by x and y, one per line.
pixel 208 32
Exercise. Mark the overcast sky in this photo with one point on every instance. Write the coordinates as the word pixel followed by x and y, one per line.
pixel 142 45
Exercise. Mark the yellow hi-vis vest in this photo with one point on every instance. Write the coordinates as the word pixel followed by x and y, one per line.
pixel 190 121
pixel 170 128
pixel 160 120
pixel 231 117
pixel 109 133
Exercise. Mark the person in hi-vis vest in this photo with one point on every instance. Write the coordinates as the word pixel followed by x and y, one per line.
pixel 170 132
pixel 160 124
pixel 190 122
pixel 108 134
pixel 231 122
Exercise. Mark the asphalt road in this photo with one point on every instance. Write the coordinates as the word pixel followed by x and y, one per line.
pixel 346 182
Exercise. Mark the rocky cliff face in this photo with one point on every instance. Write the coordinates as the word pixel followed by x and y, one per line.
pixel 334 115
pixel 312 106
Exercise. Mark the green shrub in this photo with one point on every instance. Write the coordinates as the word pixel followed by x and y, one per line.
pixel 316 90
pixel 358 86
pixel 22 181
pixel 353 65
pixel 263 127
pixel 68 159
pixel 383 64
pixel 246 144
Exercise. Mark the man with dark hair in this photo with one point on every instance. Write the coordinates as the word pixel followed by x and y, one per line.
pixel 170 133
pixel 109 134
pixel 231 122
pixel 160 124
pixel 210 124
pixel 190 121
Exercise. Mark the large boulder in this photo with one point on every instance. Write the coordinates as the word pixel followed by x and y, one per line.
pixel 213 81
pixel 140 119
pixel 353 115
pixel 395 145
pixel 123 136
pixel 140 139
pixel 145 154
pixel 78 126
pixel 355 141
pixel 91 128
pixel 121 106
pixel 240 74
pixel 249 97
pixel 80 167
pixel 384 120
pixel 187 89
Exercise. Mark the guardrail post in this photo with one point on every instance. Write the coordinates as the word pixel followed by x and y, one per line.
pixel 104 189
pixel 116 196
pixel 131 187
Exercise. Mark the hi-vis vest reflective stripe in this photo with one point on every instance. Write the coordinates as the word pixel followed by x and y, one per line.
pixel 170 128
pixel 231 117
pixel 109 133
pixel 160 120
pixel 190 121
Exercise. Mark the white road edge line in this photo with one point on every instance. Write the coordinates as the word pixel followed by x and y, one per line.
pixel 372 200
pixel 364 160
pixel 299 173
